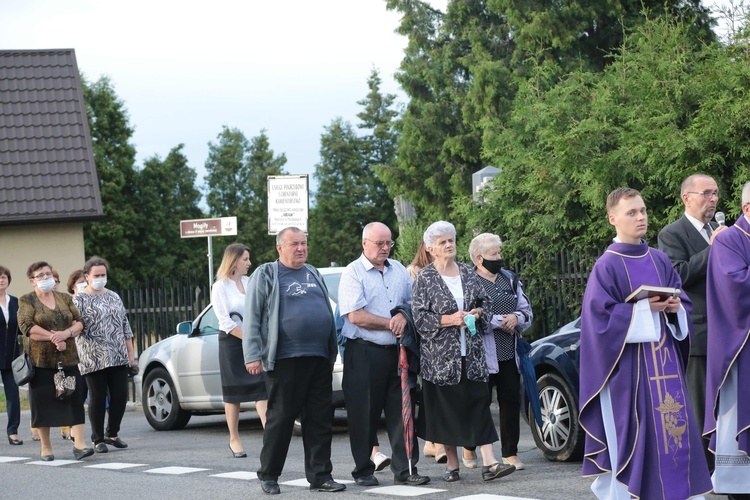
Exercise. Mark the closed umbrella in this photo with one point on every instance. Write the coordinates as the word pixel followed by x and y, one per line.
pixel 406 408
pixel 523 348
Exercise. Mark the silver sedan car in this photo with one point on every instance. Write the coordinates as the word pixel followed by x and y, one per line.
pixel 179 376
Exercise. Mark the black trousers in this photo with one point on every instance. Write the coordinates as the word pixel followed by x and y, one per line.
pixel 298 387
pixel 114 380
pixel 13 402
pixel 372 385
pixel 507 383
pixel 695 378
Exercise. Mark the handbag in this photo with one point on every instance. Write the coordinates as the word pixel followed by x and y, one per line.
pixel 65 385
pixel 23 369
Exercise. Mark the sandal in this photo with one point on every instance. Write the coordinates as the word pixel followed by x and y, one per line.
pixel 496 470
pixel 451 476
pixel 440 456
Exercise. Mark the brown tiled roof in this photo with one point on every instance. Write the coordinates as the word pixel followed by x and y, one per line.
pixel 47 170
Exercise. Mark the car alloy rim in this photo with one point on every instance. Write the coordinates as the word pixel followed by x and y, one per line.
pixel 159 400
pixel 555 429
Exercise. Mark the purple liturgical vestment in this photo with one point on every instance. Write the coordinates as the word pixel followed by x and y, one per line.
pixel 658 451
pixel 728 307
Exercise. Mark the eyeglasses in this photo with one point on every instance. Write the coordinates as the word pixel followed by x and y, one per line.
pixel 381 243
pixel 706 194
pixel 42 275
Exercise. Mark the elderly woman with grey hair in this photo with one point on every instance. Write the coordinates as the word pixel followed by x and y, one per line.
pixel 511 315
pixel 447 308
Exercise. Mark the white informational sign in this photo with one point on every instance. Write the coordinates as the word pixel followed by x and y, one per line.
pixel 197 228
pixel 288 202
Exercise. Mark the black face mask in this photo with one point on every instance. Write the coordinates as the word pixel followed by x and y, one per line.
pixel 492 266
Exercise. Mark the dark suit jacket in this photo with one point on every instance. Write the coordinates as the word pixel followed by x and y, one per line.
pixel 688 252
pixel 9 334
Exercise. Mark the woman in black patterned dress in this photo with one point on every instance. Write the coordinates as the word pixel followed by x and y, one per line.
pixel 105 349
pixel 446 300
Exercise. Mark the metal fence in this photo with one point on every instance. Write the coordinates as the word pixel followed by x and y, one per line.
pixel 154 308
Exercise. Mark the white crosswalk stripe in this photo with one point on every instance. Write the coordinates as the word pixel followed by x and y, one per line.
pixel 393 491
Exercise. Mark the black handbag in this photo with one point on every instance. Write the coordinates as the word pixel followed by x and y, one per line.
pixel 23 369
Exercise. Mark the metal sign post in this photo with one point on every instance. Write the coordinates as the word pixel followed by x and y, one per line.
pixel 200 228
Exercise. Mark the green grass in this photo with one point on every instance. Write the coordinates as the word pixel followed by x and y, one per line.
pixel 24 402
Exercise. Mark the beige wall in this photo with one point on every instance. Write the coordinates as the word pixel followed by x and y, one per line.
pixel 59 244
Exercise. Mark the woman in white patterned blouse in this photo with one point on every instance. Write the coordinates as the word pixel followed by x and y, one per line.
pixel 105 351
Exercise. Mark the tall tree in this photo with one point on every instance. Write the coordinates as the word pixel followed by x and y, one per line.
pixel 167 195
pixel 237 186
pixel 462 69
pixel 261 162
pixel 111 133
pixel 350 193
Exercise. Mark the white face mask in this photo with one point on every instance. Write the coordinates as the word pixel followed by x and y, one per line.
pixel 98 283
pixel 46 285
pixel 81 286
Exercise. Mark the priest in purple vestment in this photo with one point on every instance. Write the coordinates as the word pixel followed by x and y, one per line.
pixel 727 401
pixel 641 437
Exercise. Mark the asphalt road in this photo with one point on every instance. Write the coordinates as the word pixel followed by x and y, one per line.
pixel 203 444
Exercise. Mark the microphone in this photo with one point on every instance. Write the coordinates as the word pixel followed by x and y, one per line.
pixel 720 218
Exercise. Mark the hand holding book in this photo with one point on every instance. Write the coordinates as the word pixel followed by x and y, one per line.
pixel 648 291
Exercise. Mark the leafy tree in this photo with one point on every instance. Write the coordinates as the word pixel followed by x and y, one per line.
pixel 462 69
pixel 237 186
pixel 111 133
pixel 167 195
pixel 350 194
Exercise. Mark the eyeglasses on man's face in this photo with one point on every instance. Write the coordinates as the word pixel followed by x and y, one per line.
pixel 706 194
pixel 381 243
pixel 41 276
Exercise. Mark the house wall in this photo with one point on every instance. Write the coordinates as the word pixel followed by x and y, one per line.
pixel 59 244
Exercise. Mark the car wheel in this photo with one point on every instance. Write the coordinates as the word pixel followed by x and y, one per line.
pixel 561 437
pixel 160 403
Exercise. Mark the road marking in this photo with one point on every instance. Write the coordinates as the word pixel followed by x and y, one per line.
pixel 114 466
pixel 403 491
pixel 174 470
pixel 244 475
pixel 487 496
pixel 54 463
pixel 12 459
pixel 303 482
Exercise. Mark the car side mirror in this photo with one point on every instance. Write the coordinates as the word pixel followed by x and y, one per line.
pixel 185 328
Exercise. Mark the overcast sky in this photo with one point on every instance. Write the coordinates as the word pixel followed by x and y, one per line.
pixel 185 69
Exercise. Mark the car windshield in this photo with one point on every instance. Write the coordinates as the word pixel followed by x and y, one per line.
pixel 332 283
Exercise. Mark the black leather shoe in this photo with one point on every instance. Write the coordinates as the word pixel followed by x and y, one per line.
pixel 329 486
pixel 367 481
pixel 79 454
pixel 101 448
pixel 413 480
pixel 15 442
pixel 48 458
pixel 116 442
pixel 270 487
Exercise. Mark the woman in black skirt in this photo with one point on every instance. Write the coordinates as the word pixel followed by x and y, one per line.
pixel 51 321
pixel 237 385
pixel 446 304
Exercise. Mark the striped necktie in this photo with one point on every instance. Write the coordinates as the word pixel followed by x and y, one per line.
pixel 708 229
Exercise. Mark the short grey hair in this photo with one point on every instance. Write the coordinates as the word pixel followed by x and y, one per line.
pixel 282 233
pixel 689 182
pixel 482 244
pixel 371 226
pixel 746 194
pixel 436 229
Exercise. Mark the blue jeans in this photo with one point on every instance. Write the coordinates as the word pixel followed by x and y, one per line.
pixel 12 401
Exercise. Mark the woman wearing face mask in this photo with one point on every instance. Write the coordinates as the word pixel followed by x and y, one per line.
pixel 106 351
pixel 52 321
pixel 76 282
pixel 511 315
